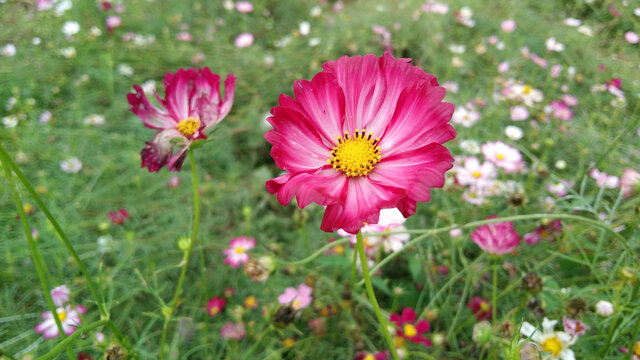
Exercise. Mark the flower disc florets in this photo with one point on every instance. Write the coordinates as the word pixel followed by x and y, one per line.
pixel 355 155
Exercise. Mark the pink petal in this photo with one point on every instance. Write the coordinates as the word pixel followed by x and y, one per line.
pixel 152 116
pixel 229 91
pixel 178 90
pixel 156 153
pixel 422 326
pixel 408 315
pixel 324 188
pixel 288 296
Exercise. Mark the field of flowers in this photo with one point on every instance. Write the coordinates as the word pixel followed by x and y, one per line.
pixel 320 179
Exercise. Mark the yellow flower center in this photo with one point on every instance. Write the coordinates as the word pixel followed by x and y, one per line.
pixel 398 341
pixel 250 301
pixel 369 357
pixel 355 155
pixel 296 303
pixel 476 174
pixel 499 156
pixel 189 126
pixel 214 310
pixel 288 342
pixel 62 315
pixel 636 348
pixel 484 306
pixel 239 250
pixel 410 330
pixel 552 345
pixel 527 89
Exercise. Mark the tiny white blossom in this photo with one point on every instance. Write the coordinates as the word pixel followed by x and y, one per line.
pixel 513 132
pixel 70 28
pixel 10 121
pixel 8 50
pixel 94 119
pixel 71 165
pixel 604 308
pixel 304 28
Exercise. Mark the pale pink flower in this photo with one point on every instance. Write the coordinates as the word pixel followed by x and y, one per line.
pixel 244 40
pixel 60 295
pixel 474 173
pixel 574 327
pixel 553 45
pixel 508 25
pixel 560 188
pixel 363 135
pixel 604 179
pixel 69 318
pixel 539 61
pixel 298 298
pixel 503 67
pixel 497 238
pixel 504 156
pixel 113 21
pixel 560 110
pixel 391 220
pixel 451 86
pixel 629 182
pixel 174 182
pixel 570 100
pixel 631 37
pixel 184 36
pixel 435 7
pixel 232 331
pixel 466 115
pixel 556 70
pixel 236 254
pixel 519 113
pixel 244 6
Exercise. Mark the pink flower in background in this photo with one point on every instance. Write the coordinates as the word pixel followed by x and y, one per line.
pixel 113 21
pixel 119 217
pixel 191 107
pixel 613 11
pixel 363 135
pixel 556 70
pixel 503 156
pixel 539 61
pixel 390 220
pixel 560 110
pixel 466 115
pixel 60 295
pixel 244 40
pixel 570 100
pixel 508 26
pixel 69 318
pixel 480 308
pixel 628 182
pixel 560 188
pixel 604 179
pixel 406 327
pixel 174 182
pixel 236 254
pixel 615 83
pixel 380 355
pixel 574 327
pixel 298 298
pixel 503 67
pixel 474 173
pixel 232 331
pixel 519 113
pixel 215 305
pixel 549 231
pixel 497 239
pixel 184 36
pixel 631 37
pixel 244 6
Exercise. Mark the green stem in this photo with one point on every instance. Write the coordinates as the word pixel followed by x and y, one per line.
pixel 256 343
pixel 38 261
pixel 316 254
pixel 79 332
pixel 372 295
pixel 187 253
pixel 494 297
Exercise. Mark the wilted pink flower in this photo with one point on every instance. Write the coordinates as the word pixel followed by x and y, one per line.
pixel 519 113
pixel 406 327
pixel 60 295
pixel 244 6
pixel 604 179
pixel 113 21
pixel 298 298
pixel 69 318
pixel 232 331
pixel 480 308
pixel 215 305
pixel 508 26
pixel 119 217
pixel 574 327
pixel 503 155
pixel 474 173
pixel 184 36
pixel 497 239
pixel 244 40
pixel 363 135
pixel 631 37
pixel 629 182
pixel 560 110
pixel 193 105
pixel 237 251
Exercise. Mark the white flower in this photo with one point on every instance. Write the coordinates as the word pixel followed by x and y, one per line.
pixel 457 48
pixel 553 45
pixel 315 11
pixel 470 146
pixel 513 132
pixel 94 119
pixel 304 28
pixel 636 11
pixel 71 165
pixel 105 243
pixel 572 22
pixel 125 69
pixel 62 7
pixel 8 50
pixel 95 31
pixel 314 41
pixel 604 308
pixel 465 116
pixel 10 121
pixel 148 87
pixel 554 344
pixel 36 41
pixel 586 30
pixel 70 28
pixel 45 117
pixel 69 52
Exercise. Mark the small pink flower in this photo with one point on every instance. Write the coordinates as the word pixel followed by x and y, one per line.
pixel 244 6
pixel 475 173
pixel 390 220
pixel 406 327
pixel 113 21
pixel 380 355
pixel 560 110
pixel 604 179
pixel 631 37
pixel 503 67
pixel 497 239
pixel 539 61
pixel 244 40
pixel 298 298
pixel 69 318
pixel 184 36
pixel 480 308
pixel 60 295
pixel 615 83
pixel 237 251
pixel 232 331
pixel 570 100
pixel 574 327
pixel 556 70
pixel 215 305
pixel 174 182
pixel 119 217
pixel 613 11
pixel 504 156
pixel 519 113
pixel 508 26
pixel 546 231
pixel 629 182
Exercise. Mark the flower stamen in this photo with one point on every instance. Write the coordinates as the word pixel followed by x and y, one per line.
pixel 355 155
pixel 552 345
pixel 188 127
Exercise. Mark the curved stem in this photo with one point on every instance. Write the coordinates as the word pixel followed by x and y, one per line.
pixel 187 253
pixel 38 261
pixel 372 295
pixel 79 332
pixel 316 253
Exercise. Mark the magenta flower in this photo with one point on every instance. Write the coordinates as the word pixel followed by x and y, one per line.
pixel 237 251
pixel 574 327
pixel 215 305
pixel 113 21
pixel 480 308
pixel 497 239
pixel 298 298
pixel 193 105
pixel 119 217
pixel 364 134
pixel 69 318
pixel 560 110
pixel 232 331
pixel 380 355
pixel 406 327
pixel 60 295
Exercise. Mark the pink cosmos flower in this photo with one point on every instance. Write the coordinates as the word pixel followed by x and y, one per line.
pixel 508 26
pixel 406 327
pixel 549 231
pixel 69 318
pixel 298 298
pixel 232 331
pixel 504 156
pixel 560 110
pixel 380 355
pixel 503 67
pixel 237 251
pixel 193 105
pixel 244 6
pixel 184 36
pixel 556 70
pixel 519 113
pixel 244 40
pixel 628 182
pixel 474 173
pixel 113 21
pixel 119 217
pixel 570 100
pixel 604 179
pixel 60 295
pixel 497 239
pixel 215 305
pixel 574 327
pixel 631 37
pixel 480 308
pixel 363 135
